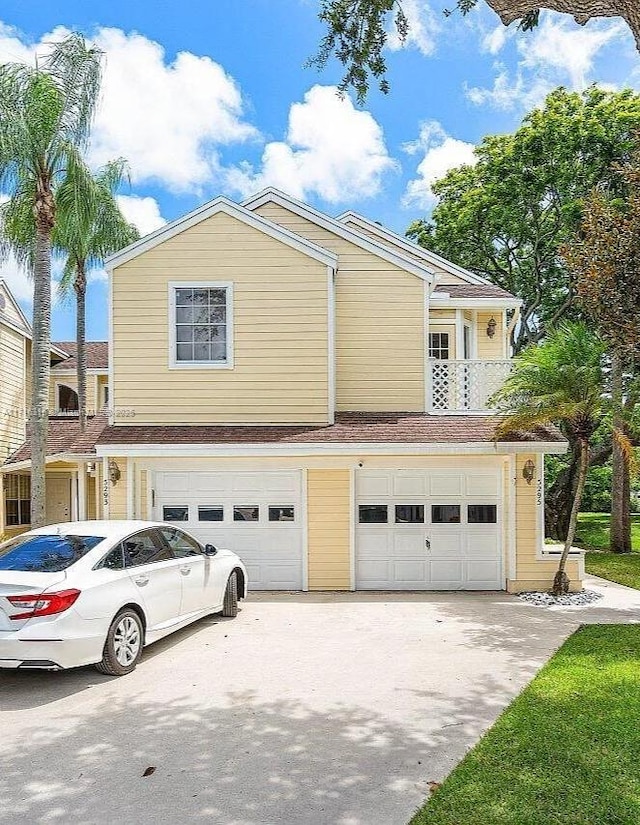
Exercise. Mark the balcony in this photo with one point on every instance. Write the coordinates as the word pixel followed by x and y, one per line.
pixel 465 386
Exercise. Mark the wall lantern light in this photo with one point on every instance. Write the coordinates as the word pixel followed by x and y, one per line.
pixel 491 327
pixel 528 471
pixel 114 471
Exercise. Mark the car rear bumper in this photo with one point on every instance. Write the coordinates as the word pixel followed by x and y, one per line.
pixel 50 654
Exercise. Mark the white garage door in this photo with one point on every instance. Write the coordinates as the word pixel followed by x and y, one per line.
pixel 428 530
pixel 258 515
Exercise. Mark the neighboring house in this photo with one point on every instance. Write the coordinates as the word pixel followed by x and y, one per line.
pixel 313 393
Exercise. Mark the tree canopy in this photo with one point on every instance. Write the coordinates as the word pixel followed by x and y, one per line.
pixel 508 216
pixel 357 30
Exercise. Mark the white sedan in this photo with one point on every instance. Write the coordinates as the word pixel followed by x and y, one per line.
pixel 97 592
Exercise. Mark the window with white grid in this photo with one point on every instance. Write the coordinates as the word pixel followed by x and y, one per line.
pixel 201 324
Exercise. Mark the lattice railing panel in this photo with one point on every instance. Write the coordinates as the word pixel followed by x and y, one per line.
pixel 466 385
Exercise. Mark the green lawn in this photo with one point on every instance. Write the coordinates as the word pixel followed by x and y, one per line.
pixel 593 533
pixel 565 752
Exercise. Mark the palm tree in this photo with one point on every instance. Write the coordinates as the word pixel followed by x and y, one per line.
pixel 560 381
pixel 46 113
pixel 89 227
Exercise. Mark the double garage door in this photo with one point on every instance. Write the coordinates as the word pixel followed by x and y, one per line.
pixel 414 529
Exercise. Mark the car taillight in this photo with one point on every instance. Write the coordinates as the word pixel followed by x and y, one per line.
pixel 44 604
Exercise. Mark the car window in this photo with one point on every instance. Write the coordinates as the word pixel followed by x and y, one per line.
pixel 181 545
pixel 144 548
pixel 45 554
pixel 114 560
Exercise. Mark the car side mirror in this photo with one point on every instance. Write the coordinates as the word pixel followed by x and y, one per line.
pixel 210 550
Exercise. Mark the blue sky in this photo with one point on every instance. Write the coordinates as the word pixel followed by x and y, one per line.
pixel 213 97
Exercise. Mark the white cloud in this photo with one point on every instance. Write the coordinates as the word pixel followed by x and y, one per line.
pixel 558 52
pixel 331 149
pixel 167 118
pixel 142 212
pixel 441 153
pixel 423 28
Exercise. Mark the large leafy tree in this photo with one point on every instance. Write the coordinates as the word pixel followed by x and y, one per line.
pixel 45 118
pixel 89 227
pixel 357 30
pixel 604 259
pixel 560 381
pixel 508 216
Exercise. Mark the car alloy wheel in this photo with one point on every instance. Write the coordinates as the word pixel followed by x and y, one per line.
pixel 126 641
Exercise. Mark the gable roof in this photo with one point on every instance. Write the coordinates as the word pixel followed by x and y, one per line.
pixel 355 219
pixel 97 356
pixel 24 327
pixel 232 209
pixel 350 234
pixel 64 438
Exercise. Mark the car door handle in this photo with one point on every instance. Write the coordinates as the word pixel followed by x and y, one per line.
pixel 185 571
pixel 141 581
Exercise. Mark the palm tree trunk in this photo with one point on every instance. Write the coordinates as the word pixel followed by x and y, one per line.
pixel 620 538
pixel 80 286
pixel 561 580
pixel 40 360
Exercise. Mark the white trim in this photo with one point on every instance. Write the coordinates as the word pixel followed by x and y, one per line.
pixel 214 207
pixel 10 324
pixel 540 493
pixel 512 531
pixel 28 328
pixel 131 469
pixel 442 300
pixel 150 493
pixel 174 364
pixel 56 371
pixel 74 495
pixel 304 525
pixel 331 343
pixel 331 448
pixel 413 248
pixel 459 323
pixel 425 349
pixel 352 528
pixel 340 229
pixel 111 381
pixel 105 492
pixel 82 493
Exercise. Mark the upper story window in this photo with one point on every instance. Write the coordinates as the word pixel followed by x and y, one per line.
pixel 201 324
pixel 439 345
pixel 67 399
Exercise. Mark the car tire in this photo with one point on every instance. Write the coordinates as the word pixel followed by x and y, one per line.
pixel 123 646
pixel 230 605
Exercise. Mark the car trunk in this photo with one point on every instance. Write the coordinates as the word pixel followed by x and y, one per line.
pixel 21 583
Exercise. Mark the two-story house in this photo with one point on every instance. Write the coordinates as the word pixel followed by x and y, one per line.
pixel 314 394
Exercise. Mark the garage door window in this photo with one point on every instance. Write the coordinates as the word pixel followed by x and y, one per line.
pixel 175 513
pixel 409 514
pixel 207 513
pixel 246 512
pixel 445 514
pixel 282 514
pixel 482 514
pixel 373 514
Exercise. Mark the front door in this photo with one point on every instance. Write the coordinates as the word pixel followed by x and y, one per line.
pixel 58 498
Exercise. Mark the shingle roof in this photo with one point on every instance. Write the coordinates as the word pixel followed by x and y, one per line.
pixel 350 427
pixel 64 436
pixel 473 291
pixel 97 355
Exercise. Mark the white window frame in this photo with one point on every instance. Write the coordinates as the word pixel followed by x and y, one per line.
pixel 200 365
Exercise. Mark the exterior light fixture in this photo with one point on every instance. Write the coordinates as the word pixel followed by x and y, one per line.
pixel 528 471
pixel 114 471
pixel 491 327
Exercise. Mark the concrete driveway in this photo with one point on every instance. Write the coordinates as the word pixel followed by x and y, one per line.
pixel 307 708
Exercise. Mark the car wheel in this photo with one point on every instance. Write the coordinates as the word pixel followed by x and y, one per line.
pixel 230 606
pixel 123 647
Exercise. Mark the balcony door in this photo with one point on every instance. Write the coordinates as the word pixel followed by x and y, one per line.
pixel 442 353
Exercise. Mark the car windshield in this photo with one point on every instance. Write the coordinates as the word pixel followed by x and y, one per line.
pixel 45 554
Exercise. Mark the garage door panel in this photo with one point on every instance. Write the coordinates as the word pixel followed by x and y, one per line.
pixel 482 574
pixel 374 485
pixel 410 572
pixel 408 543
pixel 449 484
pixel 272 550
pixel 481 543
pixel 373 572
pixel 485 485
pixel 447 570
pixel 409 485
pixel 447 543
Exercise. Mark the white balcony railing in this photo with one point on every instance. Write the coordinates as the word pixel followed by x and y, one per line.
pixel 465 386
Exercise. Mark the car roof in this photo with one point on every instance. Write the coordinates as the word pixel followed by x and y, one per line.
pixel 114 530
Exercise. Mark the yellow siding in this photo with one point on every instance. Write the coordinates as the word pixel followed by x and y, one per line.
pixel 491 349
pixel 142 495
pixel 9 311
pixel 280 372
pixel 118 492
pixel 329 529
pixel 533 573
pixel 380 346
pixel 92 503
pixel 12 390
